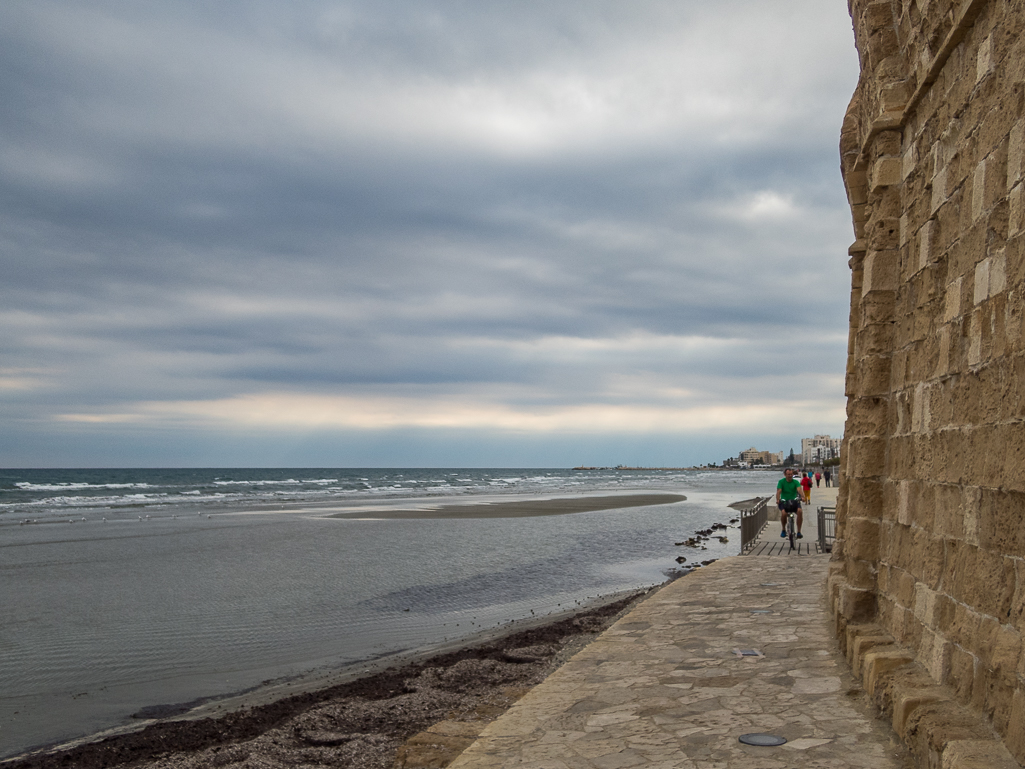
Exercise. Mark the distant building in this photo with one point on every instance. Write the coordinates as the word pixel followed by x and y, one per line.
pixel 815 451
pixel 755 457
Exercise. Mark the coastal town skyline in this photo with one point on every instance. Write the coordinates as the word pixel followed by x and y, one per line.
pixel 383 234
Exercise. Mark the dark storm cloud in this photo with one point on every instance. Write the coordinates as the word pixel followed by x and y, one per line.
pixel 514 206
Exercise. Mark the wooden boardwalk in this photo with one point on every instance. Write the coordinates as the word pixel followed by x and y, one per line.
pixel 769 541
pixel 773 544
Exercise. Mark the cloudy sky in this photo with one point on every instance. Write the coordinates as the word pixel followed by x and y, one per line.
pixel 420 232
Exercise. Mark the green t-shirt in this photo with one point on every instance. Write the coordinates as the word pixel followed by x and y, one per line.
pixel 788 489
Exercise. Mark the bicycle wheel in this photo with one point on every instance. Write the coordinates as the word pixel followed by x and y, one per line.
pixel 790 529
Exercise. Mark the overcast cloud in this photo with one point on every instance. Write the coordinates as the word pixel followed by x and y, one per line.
pixel 429 233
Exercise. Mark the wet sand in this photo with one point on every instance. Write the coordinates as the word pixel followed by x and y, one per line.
pixel 359 724
pixel 521 508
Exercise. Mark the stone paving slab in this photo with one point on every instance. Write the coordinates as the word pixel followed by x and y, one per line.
pixel 665 688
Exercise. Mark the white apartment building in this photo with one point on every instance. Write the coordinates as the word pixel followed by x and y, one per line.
pixel 818 449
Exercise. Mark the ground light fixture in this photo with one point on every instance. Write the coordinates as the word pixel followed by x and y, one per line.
pixel 763 740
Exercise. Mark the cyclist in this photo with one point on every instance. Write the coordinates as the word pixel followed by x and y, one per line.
pixel 788 499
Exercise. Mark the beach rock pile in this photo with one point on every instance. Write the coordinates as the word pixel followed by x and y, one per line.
pixel 419 715
pixel 703 535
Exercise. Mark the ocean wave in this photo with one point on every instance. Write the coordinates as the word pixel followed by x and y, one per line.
pixel 226 490
pixel 70 486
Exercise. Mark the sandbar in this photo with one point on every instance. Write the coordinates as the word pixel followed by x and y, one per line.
pixel 524 508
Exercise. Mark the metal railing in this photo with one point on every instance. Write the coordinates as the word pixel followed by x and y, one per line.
pixel 752 522
pixel 827 528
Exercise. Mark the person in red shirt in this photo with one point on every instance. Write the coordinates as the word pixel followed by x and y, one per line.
pixel 806 485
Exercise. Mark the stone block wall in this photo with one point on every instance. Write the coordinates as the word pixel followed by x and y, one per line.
pixel 931 515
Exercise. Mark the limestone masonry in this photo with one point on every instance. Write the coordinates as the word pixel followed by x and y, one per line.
pixel 927 584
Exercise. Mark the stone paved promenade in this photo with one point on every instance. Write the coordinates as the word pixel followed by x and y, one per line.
pixel 664 688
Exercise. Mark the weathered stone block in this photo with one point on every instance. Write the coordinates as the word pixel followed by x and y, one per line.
pixel 886 171
pixel 927 557
pixel 863 644
pixel 856 629
pixel 863 538
pixel 904 588
pixel 866 457
pixel 905 702
pixel 952 304
pixel 903 463
pixel 981 281
pixel 875 307
pixel 999 647
pixel 1001 521
pixel 863 574
pixel 905 512
pixel 943 366
pixel 896 550
pixel 1015 218
pixel 856 605
pixel 990 277
pixel 962 672
pixel 867 416
pixel 1016 154
pixel 864 497
pixel 977 754
pixel 878 665
pixel 1007 468
pixel 925 243
pixel 875 339
pixel 925 606
pixel 939 190
pixel 1016 617
pixel 984 59
pixel 983 580
pixel 1015 737
pixel 964 628
pixel 923 506
pixel 979 191
pixel 934 652
pixel 872 376
pixel 993 694
pixel 883 235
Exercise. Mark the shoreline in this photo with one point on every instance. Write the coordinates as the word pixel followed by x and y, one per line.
pixel 380 705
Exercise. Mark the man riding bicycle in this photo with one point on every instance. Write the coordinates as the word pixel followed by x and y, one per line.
pixel 788 500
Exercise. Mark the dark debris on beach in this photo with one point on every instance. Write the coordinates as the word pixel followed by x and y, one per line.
pixel 703 535
pixel 362 724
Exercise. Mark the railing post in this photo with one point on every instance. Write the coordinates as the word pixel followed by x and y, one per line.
pixel 827 528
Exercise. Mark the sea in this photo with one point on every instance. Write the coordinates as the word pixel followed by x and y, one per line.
pixel 132 593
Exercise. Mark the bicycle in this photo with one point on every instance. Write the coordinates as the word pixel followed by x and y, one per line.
pixel 790 508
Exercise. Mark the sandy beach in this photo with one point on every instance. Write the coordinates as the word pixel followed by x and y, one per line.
pixel 526 508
